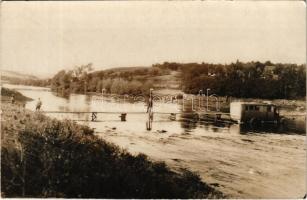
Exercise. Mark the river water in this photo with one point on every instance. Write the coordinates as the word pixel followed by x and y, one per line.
pixel 239 161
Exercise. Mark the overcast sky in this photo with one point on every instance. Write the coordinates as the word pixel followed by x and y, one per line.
pixel 42 38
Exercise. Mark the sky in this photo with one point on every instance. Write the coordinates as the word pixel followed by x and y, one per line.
pixel 41 38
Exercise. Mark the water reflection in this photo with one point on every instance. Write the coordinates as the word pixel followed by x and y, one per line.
pixel 266 129
pixel 187 122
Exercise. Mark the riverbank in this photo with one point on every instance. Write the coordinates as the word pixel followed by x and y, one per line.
pixel 43 157
pixel 6 94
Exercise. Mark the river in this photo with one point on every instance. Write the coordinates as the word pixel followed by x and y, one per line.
pixel 238 161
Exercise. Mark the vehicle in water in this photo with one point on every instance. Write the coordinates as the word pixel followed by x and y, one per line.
pixel 254 112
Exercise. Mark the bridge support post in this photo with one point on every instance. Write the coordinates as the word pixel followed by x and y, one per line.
pixel 218 117
pixel 94 116
pixel 123 117
pixel 173 116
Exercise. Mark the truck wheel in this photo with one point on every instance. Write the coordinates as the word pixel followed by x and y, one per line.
pixel 253 121
pixel 282 121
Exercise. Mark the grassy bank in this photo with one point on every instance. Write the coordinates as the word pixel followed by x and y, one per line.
pixel 43 157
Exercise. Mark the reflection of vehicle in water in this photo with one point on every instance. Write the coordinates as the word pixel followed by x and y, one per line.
pixel 266 129
pixel 253 112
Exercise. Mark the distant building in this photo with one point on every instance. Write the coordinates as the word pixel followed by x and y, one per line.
pixel 269 72
pixel 211 74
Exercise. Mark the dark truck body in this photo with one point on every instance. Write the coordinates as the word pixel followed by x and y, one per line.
pixel 243 112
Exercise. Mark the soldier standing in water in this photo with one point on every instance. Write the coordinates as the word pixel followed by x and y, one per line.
pixel 13 99
pixel 39 104
pixel 150 102
pixel 149 111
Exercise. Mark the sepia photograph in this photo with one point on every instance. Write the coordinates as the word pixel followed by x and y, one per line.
pixel 153 99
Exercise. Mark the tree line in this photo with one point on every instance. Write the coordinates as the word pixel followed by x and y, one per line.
pixel 246 80
pixel 117 81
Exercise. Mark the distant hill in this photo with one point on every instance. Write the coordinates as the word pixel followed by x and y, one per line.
pixel 11 74
pixel 123 69
pixel 161 79
pixel 22 79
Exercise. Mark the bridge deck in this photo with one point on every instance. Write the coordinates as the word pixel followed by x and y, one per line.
pixel 130 112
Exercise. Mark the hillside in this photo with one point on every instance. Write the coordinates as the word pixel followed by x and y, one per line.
pixel 161 79
pixel 12 74
pixel 22 79
pixel 124 69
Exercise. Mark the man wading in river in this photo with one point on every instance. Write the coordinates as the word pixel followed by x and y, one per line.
pixel 13 99
pixel 39 104
pixel 150 102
